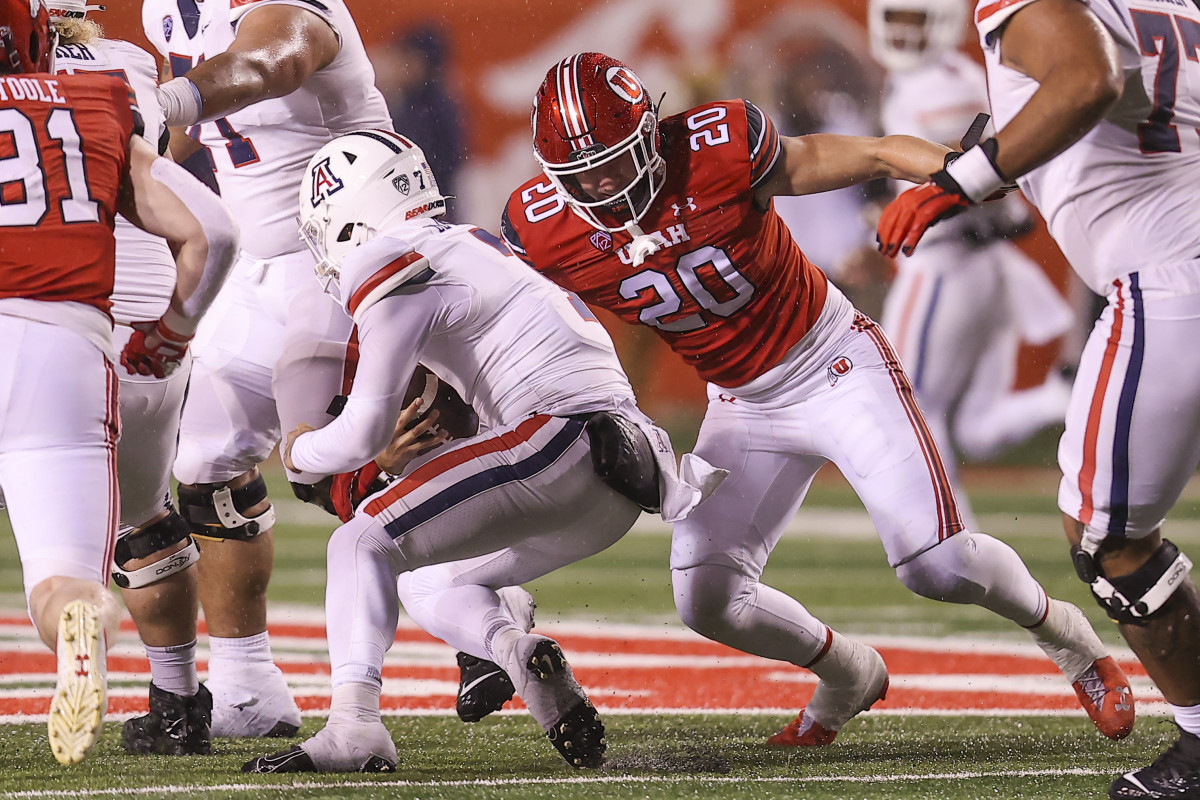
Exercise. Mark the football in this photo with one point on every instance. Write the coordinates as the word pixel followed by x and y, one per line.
pixel 454 415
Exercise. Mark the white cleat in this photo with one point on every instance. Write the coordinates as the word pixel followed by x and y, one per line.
pixel 258 703
pixel 519 604
pixel 81 695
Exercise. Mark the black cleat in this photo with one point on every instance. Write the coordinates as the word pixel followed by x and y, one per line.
pixel 176 725
pixel 296 759
pixel 482 688
pixel 579 736
pixel 1174 774
pixel 282 730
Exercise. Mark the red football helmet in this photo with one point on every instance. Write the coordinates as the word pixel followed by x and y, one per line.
pixel 595 133
pixel 26 43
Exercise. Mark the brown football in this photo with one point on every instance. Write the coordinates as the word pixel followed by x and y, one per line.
pixel 454 415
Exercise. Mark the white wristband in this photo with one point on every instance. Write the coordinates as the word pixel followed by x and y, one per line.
pixel 976 174
pixel 180 101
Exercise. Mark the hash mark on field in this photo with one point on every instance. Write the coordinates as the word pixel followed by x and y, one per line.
pixel 598 779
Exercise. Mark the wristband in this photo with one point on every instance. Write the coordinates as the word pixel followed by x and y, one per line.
pixel 175 328
pixel 180 101
pixel 976 173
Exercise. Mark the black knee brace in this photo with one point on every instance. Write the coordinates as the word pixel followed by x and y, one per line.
pixel 1139 596
pixel 214 511
pixel 160 535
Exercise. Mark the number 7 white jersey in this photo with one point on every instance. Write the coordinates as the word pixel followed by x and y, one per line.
pixel 261 151
pixel 1124 198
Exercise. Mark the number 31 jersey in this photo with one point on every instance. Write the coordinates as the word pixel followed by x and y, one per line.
pixel 64 150
pixel 1124 197
pixel 728 289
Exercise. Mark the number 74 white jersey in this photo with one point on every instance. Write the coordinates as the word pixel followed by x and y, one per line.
pixel 1124 197
pixel 260 152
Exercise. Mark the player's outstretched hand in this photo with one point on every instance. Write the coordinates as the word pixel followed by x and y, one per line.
pixel 414 435
pixel 154 349
pixel 915 211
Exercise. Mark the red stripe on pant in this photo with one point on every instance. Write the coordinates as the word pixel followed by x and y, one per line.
pixel 443 464
pixel 949 519
pixel 1091 433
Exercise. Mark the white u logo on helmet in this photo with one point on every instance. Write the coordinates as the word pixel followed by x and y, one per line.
pixel 625 83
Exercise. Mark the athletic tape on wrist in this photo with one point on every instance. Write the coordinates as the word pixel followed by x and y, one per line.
pixel 976 174
pixel 180 101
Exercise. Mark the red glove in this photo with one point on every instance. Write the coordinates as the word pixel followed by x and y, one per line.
pixel 351 488
pixel 154 349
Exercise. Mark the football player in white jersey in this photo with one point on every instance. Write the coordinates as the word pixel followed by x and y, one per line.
pixel 562 470
pixel 1097 105
pixel 958 310
pixel 262 84
pixel 155 548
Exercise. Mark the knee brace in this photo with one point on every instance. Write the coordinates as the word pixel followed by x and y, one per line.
pixel 214 511
pixel 157 536
pixel 1139 596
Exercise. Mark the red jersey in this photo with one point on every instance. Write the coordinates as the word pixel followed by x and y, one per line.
pixel 729 290
pixel 64 149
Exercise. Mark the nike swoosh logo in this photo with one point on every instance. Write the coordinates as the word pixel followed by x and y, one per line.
pixel 478 681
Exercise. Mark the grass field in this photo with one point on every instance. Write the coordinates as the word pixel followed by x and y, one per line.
pixel 685 718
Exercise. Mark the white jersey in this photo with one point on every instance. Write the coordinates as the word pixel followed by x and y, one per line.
pixel 510 342
pixel 145 276
pixel 1123 198
pixel 260 152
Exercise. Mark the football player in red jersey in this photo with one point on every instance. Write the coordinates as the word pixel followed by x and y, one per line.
pixel 72 158
pixel 669 224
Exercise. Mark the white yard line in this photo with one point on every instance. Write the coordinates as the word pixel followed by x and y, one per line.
pixel 191 789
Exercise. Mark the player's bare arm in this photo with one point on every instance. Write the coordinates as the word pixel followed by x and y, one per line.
pixel 277 49
pixel 1072 56
pixel 161 198
pixel 823 162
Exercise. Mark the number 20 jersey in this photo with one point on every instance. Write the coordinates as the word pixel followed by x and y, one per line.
pixel 728 289
pixel 261 151
pixel 1123 198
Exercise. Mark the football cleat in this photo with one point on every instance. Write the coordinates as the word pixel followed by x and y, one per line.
pixel 81 695
pixel 176 725
pixel 1174 774
pixel 834 704
pixel 558 702
pixel 1102 688
pixel 338 747
pixel 482 688
pixel 255 703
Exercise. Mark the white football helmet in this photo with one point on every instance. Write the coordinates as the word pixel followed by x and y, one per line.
pixel 355 186
pixel 937 27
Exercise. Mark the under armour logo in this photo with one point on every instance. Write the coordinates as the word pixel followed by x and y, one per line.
pixel 1122 699
pixel 690 206
pixel 724 398
pixel 82 668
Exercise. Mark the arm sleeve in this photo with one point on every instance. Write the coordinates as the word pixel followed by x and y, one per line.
pixel 391 337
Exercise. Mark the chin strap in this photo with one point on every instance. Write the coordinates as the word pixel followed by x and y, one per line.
pixel 643 246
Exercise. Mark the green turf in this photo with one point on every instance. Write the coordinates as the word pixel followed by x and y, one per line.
pixel 678 756
pixel 845 581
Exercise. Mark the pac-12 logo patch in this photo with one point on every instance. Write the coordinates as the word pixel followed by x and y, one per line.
pixel 168 27
pixel 324 182
pixel 840 367
pixel 602 241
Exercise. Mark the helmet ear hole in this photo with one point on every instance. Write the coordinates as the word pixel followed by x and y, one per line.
pixel 346 232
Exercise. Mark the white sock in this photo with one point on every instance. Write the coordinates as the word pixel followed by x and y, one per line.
pixel 173 669
pixel 237 657
pixel 355 702
pixel 1187 717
